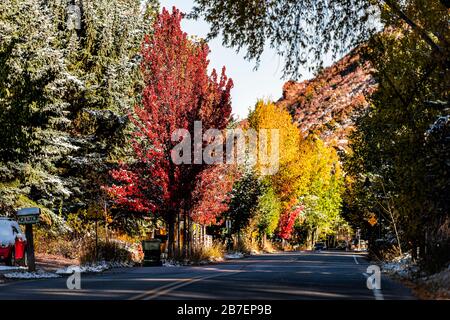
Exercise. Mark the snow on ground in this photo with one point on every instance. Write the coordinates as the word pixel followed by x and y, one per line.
pixel 93 268
pixel 40 274
pixel 7 268
pixel 21 273
pixel 435 286
pixel 234 255
pixel 402 266
pixel 82 269
pixel 171 263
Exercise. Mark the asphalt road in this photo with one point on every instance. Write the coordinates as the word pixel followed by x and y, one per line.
pixel 292 275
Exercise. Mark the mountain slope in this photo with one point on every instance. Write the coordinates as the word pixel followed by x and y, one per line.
pixel 329 104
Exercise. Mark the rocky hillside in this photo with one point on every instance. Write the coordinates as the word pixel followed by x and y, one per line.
pixel 329 104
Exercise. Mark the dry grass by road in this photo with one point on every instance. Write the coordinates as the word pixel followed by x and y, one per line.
pixel 52 262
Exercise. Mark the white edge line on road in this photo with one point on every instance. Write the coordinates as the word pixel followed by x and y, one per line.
pixel 376 292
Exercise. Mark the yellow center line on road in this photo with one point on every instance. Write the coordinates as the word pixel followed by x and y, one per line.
pixel 163 290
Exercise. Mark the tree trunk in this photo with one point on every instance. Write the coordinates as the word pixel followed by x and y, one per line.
pixel 263 238
pixel 185 250
pixel 189 235
pixel 414 26
pixel 178 234
pixel 171 235
pixel 414 251
pixel 203 235
pixel 238 238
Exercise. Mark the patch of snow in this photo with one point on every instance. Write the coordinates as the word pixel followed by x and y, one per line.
pixel 171 263
pixel 73 79
pixel 8 268
pixel 6 235
pixel 234 255
pixel 93 268
pixel 402 266
pixel 440 123
pixel 40 274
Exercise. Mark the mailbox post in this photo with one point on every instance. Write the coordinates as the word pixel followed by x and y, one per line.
pixel 28 217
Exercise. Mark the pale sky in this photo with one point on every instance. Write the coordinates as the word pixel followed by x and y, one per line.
pixel 249 85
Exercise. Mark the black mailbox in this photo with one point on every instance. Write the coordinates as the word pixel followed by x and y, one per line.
pixel 152 252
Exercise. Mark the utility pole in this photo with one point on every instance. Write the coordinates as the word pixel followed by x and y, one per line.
pixel 96 240
pixel 358 234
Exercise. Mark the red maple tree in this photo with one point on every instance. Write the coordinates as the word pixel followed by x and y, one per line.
pixel 287 221
pixel 178 91
pixel 212 193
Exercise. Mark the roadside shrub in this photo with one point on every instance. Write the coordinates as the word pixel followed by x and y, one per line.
pixel 57 245
pixel 248 242
pixel 247 246
pixel 269 247
pixel 210 254
pixel 215 252
pixel 110 251
pixel 286 247
pixel 383 250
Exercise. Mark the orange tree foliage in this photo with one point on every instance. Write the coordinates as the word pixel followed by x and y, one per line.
pixel 308 181
pixel 286 182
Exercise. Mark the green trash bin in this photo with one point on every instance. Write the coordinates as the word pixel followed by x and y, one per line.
pixel 152 252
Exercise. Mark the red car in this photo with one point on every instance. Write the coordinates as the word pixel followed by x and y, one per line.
pixel 13 243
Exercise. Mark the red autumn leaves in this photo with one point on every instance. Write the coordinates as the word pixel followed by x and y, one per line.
pixel 178 91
